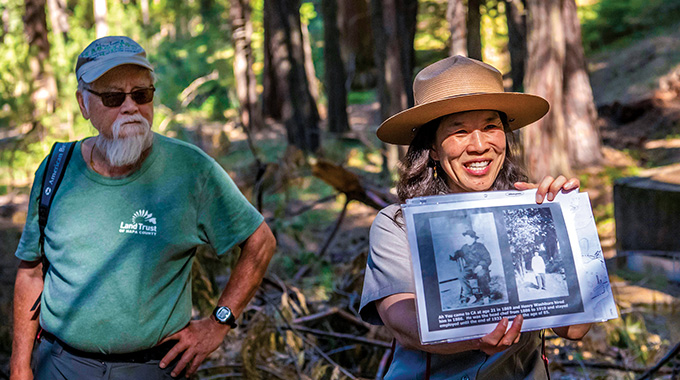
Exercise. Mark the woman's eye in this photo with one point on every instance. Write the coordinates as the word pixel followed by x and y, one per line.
pixel 491 126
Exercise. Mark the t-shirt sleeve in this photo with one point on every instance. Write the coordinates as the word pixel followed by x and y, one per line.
pixel 388 268
pixel 29 248
pixel 225 217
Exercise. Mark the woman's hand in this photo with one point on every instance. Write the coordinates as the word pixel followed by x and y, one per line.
pixel 501 337
pixel 549 187
pixel 398 312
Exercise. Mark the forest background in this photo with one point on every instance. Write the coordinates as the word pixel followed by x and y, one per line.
pixel 287 95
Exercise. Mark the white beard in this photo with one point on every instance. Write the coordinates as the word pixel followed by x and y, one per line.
pixel 123 151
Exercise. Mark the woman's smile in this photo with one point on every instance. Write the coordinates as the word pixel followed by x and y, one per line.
pixel 470 148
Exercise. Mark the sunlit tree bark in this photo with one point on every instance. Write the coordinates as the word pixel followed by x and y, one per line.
pixel 100 13
pixel 473 27
pixel 455 15
pixel 567 137
pixel 585 145
pixel 246 83
pixel 144 5
pixel 286 86
pixel 336 91
pixel 545 142
pixel 309 63
pixel 58 18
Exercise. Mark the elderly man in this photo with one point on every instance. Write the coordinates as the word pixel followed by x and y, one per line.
pixel 122 232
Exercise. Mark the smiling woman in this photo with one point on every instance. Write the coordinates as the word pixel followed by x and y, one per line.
pixel 459 135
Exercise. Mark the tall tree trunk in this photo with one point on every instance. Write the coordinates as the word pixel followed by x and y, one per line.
pixel 473 26
pixel 545 142
pixel 334 69
pixel 356 42
pixel 144 5
pixel 394 27
pixel 246 83
pixel 585 147
pixel 100 13
pixel 271 95
pixel 455 15
pixel 286 58
pixel 44 91
pixel 58 18
pixel 309 64
pixel 515 11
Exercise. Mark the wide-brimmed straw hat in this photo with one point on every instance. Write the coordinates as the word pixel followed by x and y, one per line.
pixel 458 84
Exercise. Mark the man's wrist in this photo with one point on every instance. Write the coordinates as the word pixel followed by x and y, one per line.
pixel 224 315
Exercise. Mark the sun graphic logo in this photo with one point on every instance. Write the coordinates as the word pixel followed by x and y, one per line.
pixel 143 216
pixel 143 223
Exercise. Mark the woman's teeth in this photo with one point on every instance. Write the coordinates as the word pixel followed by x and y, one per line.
pixel 479 165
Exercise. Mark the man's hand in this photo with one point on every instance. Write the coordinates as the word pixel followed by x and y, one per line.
pixel 479 270
pixel 196 342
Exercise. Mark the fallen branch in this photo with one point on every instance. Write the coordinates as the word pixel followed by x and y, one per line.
pixel 189 93
pixel 332 311
pixel 335 230
pixel 601 365
pixel 295 330
pixel 373 342
pixel 351 185
pixel 657 367
pixel 238 365
pixel 310 206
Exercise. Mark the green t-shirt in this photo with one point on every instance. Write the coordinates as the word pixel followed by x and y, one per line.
pixel 120 250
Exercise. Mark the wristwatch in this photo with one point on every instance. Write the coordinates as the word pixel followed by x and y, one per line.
pixel 224 316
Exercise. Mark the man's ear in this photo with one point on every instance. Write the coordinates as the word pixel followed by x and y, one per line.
pixel 83 106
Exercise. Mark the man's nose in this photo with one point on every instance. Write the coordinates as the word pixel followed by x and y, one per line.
pixel 129 106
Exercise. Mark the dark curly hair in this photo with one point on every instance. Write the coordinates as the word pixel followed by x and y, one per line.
pixel 416 169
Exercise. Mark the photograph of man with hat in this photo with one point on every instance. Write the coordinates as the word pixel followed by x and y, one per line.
pixel 475 259
pixel 123 228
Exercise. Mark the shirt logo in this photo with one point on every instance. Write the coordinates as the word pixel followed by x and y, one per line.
pixel 143 223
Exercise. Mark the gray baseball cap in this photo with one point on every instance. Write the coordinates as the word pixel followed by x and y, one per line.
pixel 106 53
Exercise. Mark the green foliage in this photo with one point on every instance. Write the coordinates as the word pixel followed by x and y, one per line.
pixel 608 21
pixel 361 97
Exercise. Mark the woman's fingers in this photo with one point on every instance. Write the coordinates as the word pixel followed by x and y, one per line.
pixel 524 185
pixel 501 337
pixel 543 188
pixel 556 186
pixel 549 187
pixel 496 335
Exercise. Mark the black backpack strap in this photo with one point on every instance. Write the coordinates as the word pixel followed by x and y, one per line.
pixel 52 176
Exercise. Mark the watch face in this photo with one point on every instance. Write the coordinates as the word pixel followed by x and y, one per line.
pixel 222 313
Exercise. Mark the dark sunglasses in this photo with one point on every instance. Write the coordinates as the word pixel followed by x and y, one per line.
pixel 115 99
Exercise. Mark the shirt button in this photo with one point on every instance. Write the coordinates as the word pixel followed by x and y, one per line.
pixel 466 377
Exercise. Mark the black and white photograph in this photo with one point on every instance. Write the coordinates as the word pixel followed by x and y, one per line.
pixel 539 265
pixel 469 264
pixel 476 262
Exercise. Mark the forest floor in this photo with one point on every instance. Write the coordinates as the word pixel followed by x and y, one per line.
pixel 637 91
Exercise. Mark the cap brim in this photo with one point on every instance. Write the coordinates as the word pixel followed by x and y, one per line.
pixel 521 109
pixel 98 69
